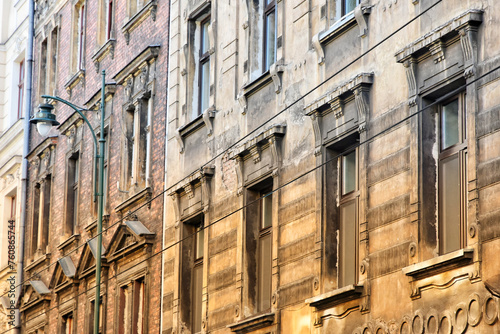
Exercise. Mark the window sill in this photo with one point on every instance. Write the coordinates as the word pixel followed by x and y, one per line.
pixel 68 242
pixel 336 297
pixel 357 17
pixel 203 120
pixel 74 80
pixel 106 48
pixel 440 264
pixel 92 227
pixel 141 15
pixel 140 197
pixel 38 261
pixel 253 323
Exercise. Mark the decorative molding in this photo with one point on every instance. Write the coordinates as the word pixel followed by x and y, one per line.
pixel 253 323
pixel 316 118
pixel 178 136
pixel 208 116
pixel 143 196
pixel 361 13
pixel 149 9
pixel 337 106
pixel 276 71
pixel 468 41
pixel 437 50
pixel 336 297
pixel 105 49
pixel 361 100
pixel 148 55
pixel 242 100
pixel 411 77
pixel 318 48
pixel 74 80
pixel 467 21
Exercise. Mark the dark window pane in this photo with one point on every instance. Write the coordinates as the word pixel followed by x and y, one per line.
pixel 267 212
pixel 450 204
pixel 348 244
pixel 264 274
pixel 197 297
pixel 205 44
pixel 349 172
pixel 349 5
pixel 449 125
pixel 200 238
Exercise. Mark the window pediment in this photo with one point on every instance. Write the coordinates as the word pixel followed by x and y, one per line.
pixel 34 294
pixel 131 236
pixel 341 110
pixel 192 196
pixel 42 157
pixel 64 275
pixel 87 262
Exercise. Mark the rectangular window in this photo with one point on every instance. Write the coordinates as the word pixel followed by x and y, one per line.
pixel 348 6
pixel 264 258
pixel 91 316
pixel 193 252
pixel 197 297
pixel 269 49
pixel 20 91
pixel 67 324
pixel 204 67
pixel 53 60
pixel 348 228
pixel 136 143
pixel 43 69
pixel 452 175
pixel 109 19
pixel 81 36
pixel 72 194
pixel 41 215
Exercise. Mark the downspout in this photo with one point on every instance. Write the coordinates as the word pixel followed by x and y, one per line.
pixel 24 164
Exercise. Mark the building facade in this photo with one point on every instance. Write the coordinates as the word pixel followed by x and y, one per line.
pixel 332 167
pixel 75 41
pixel 13 40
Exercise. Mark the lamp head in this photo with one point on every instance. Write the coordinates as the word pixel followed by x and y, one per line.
pixel 44 119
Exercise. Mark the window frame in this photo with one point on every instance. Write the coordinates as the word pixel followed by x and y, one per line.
pixel 265 231
pixel 81 36
pixel 128 302
pixel 343 7
pixel 20 90
pixel 269 8
pixel 346 199
pixel 203 60
pixel 109 19
pixel 458 150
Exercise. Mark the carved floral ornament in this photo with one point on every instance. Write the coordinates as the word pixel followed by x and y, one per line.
pixel 334 102
pixel 433 43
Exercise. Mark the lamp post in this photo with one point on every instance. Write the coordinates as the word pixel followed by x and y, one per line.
pixel 44 120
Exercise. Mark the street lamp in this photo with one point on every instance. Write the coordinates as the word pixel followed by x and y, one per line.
pixel 44 120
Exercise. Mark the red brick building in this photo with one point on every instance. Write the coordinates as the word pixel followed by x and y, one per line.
pixel 74 42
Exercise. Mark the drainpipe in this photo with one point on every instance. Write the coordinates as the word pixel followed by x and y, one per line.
pixel 24 164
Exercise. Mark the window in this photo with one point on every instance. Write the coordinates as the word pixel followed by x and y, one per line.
pixel 192 273
pixel 109 18
pixel 41 214
pixel 133 7
pixel 67 324
pixel 20 91
pixel 262 37
pixel 269 39
pixel 42 81
pixel 91 316
pixel 204 67
pixel 131 310
pixel 452 175
pixel 53 60
pixel 348 213
pixel 78 38
pixel 137 143
pixel 105 23
pixel 72 194
pixel 348 6
pixel 259 219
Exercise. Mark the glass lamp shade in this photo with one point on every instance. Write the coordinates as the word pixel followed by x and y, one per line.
pixel 43 128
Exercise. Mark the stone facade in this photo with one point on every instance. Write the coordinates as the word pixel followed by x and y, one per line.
pixel 332 169
pixel 74 42
pixel 13 37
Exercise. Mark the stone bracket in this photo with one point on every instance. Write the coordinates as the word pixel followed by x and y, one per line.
pixel 276 71
pixel 242 100
pixel 318 48
pixel 208 116
pixel 361 13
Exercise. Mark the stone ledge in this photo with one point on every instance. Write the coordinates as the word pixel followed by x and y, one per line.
pixel 253 323
pixel 142 196
pixel 38 261
pixel 336 297
pixel 141 15
pixel 440 264
pixel 68 241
